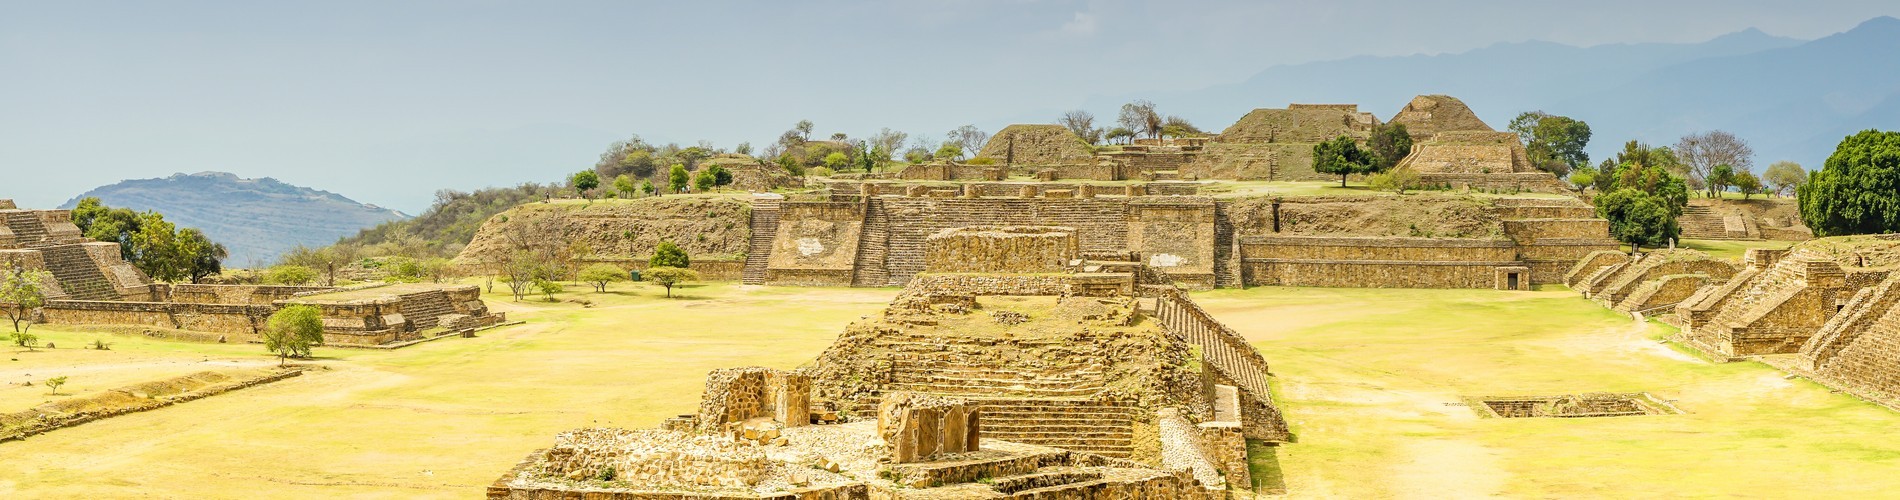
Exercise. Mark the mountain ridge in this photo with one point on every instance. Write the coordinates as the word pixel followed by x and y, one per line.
pixel 256 219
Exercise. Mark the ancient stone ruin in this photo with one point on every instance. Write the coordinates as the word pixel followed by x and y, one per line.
pixel 1036 145
pixel 93 285
pixel 1011 366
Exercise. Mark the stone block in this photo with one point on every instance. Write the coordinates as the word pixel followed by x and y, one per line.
pixel 919 427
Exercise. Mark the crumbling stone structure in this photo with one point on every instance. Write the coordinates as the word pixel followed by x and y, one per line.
pixel 1427 116
pixel 919 427
pixel 82 269
pixel 1028 145
pixel 1277 144
pixel 735 395
pixel 393 313
pixel 1772 306
pixel 1005 249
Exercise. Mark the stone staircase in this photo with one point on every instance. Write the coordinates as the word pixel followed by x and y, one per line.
pixel 874 237
pixel 980 381
pixel 1076 424
pixel 424 310
pixel 1867 307
pixel 765 213
pixel 77 273
pixel 1704 223
pixel 28 230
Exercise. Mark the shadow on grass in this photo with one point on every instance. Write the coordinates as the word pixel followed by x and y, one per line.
pixel 1263 464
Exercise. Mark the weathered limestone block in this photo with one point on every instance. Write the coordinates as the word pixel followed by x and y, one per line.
pixel 1135 190
pixel 919 427
pixel 1085 191
pixel 1059 194
pixel 741 394
pixel 1000 249
pixel 1027 191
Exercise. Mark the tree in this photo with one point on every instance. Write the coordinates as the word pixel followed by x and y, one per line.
pixel 803 128
pixel 744 148
pixel 1120 134
pixel 1341 156
pixel 1582 178
pixel 1389 144
pixel 601 274
pixel 52 384
pixel 327 259
pixel 885 143
pixel 969 138
pixel 867 155
pixel 289 275
pixel 669 276
pixel 1719 179
pixel 1857 191
pixel 949 151
pixel 837 161
pixel 1140 116
pixel 676 178
pixel 1638 218
pixel 667 254
pixel 1748 184
pixel 1700 153
pixel 292 331
pixel 584 181
pixel 721 176
pixel 703 181
pixel 525 266
pixel 21 292
pixel 691 156
pixel 548 288
pixel 646 187
pixel 1082 123
pixel 1554 143
pixel 625 186
pixel 202 257
pixel 1784 177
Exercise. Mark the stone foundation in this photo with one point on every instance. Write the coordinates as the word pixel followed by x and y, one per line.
pixel 918 428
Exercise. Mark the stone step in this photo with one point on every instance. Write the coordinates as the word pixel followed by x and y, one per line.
pixel 1043 479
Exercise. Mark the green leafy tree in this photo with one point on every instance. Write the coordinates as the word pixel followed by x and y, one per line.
pixel 1583 178
pixel 52 384
pixel 949 151
pixel 1719 180
pixel 1389 144
pixel 676 178
pixel 837 160
pixel 1120 135
pixel 1858 190
pixel 21 292
pixel 1554 143
pixel 791 165
pixel 155 246
pixel 585 181
pixel 646 188
pixel 721 176
pixel 703 181
pixel 1638 218
pixel 548 288
pixel 1397 180
pixel 200 256
pixel 290 275
pixel 625 186
pixel 292 331
pixel 1341 156
pixel 27 340
pixel 1784 176
pixel 1748 184
pixel 667 254
pixel 600 275
pixel 867 157
pixel 669 277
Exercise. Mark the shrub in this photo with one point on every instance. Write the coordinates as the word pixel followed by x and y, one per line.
pixel 290 275
pixel 601 274
pixel 292 331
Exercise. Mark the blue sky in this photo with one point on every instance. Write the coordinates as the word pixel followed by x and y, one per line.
pixel 387 101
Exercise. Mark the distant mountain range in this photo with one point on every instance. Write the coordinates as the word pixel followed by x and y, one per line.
pixel 256 219
pixel 1791 99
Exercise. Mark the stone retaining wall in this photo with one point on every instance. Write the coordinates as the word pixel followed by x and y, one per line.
pixel 1374 262
pixel 1000 249
pixel 241 321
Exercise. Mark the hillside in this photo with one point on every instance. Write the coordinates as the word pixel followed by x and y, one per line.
pixel 1791 99
pixel 705 226
pixel 256 219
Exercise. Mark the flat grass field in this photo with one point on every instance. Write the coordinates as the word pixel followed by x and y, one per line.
pixel 1370 380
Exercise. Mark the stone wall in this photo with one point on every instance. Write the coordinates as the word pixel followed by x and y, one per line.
pixel 1373 262
pixel 895 245
pixel 735 395
pixel 1000 249
pixel 1770 310
pixel 920 427
pixel 230 294
pixel 241 322
pixel 1175 235
pixel 817 243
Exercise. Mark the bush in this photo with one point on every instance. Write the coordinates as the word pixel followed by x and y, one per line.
pixel 821 172
pixel 548 288
pixel 1398 180
pixel 290 275
pixel 667 254
pixel 982 161
pixel 292 331
pixel 1857 190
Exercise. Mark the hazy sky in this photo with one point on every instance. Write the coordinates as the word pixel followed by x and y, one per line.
pixel 387 101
